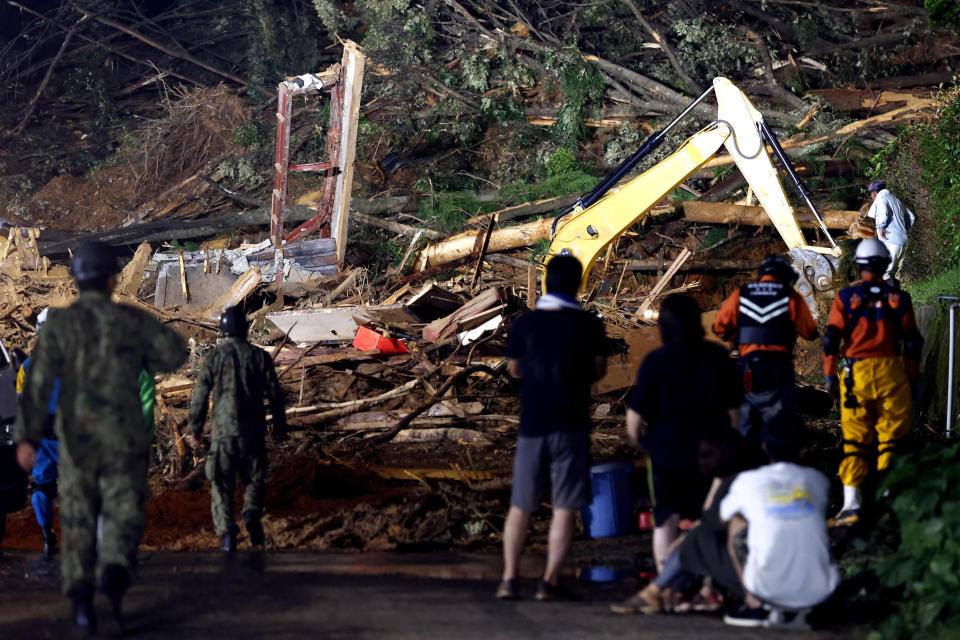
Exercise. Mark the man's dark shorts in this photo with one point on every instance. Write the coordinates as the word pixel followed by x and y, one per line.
pixel 560 460
pixel 680 491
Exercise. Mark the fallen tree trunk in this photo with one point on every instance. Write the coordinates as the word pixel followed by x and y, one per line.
pixel 716 264
pixel 726 213
pixel 887 119
pixel 528 209
pixel 396 227
pixel 462 244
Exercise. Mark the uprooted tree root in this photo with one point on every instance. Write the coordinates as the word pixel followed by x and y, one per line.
pixel 198 128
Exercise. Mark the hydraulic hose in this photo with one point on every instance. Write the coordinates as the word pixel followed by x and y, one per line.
pixel 648 146
pixel 766 133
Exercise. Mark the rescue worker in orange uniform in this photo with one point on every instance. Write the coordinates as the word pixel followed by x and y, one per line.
pixel 762 320
pixel 874 321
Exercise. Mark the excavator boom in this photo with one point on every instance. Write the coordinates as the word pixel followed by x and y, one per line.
pixel 600 217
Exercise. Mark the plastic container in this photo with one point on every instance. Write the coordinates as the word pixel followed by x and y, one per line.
pixel 610 512
pixel 367 340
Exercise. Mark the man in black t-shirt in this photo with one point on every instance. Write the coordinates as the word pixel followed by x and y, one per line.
pixel 558 352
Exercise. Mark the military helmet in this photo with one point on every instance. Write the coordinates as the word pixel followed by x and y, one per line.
pixel 94 260
pixel 780 267
pixel 233 322
pixel 872 256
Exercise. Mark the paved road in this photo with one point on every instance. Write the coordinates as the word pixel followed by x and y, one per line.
pixel 314 595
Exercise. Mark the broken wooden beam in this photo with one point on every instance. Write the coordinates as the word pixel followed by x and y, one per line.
pixel 644 308
pixel 727 213
pixel 395 227
pixel 352 82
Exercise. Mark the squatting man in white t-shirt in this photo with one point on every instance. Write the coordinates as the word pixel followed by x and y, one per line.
pixel 782 506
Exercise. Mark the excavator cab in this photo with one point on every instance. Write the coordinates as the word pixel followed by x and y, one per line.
pixel 599 217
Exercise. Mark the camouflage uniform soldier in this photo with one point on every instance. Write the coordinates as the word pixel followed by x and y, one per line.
pixel 241 375
pixel 97 349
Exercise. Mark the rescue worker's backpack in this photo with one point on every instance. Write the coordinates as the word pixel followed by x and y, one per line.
pixel 763 316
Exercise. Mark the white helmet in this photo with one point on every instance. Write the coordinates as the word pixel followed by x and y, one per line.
pixel 872 255
pixel 41 318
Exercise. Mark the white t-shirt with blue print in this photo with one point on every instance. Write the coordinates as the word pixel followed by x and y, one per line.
pixel 788 560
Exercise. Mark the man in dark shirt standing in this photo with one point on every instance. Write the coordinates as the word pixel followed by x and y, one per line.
pixel 558 352
pixel 687 389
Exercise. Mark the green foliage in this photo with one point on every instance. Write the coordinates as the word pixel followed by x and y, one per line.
pixel 448 212
pixel 714 236
pixel 503 109
pixel 399 34
pixel 709 48
pixel 922 167
pixel 622 144
pixel 188 245
pixel 583 87
pixel 556 185
pixel 563 160
pixel 944 13
pixel 724 171
pixel 926 566
pixel 249 133
pixel 282 42
pixel 332 17
pixel 539 249
pixel 927 290
pixel 476 71
pixel 681 195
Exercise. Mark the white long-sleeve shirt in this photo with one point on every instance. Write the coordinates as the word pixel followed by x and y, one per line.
pixel 891 215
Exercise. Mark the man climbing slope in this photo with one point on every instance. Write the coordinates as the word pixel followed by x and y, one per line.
pixel 893 223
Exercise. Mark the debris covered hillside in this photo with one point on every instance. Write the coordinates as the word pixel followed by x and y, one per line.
pixel 454 134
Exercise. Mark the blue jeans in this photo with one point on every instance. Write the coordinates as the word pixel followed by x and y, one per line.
pixel 45 474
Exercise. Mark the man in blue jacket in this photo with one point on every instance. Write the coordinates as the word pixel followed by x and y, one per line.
pixel 45 462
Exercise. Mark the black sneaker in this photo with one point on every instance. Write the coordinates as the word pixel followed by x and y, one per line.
pixel 114 584
pixel 254 530
pixel 84 615
pixel 509 589
pixel 547 592
pixel 49 542
pixel 228 542
pixel 747 617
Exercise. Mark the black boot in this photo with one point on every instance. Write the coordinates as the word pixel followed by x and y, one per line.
pixel 49 541
pixel 84 615
pixel 114 583
pixel 254 529
pixel 228 542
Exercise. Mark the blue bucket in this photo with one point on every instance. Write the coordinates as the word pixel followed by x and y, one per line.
pixel 610 512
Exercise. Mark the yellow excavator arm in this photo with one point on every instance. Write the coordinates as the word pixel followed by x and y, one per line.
pixel 601 216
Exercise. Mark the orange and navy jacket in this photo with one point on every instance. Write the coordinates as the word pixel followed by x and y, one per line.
pixel 875 319
pixel 726 325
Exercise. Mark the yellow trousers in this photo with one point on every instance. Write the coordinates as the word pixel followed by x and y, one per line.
pixel 882 390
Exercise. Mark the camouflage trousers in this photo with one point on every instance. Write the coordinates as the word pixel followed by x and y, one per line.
pixel 227 459
pixel 102 514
